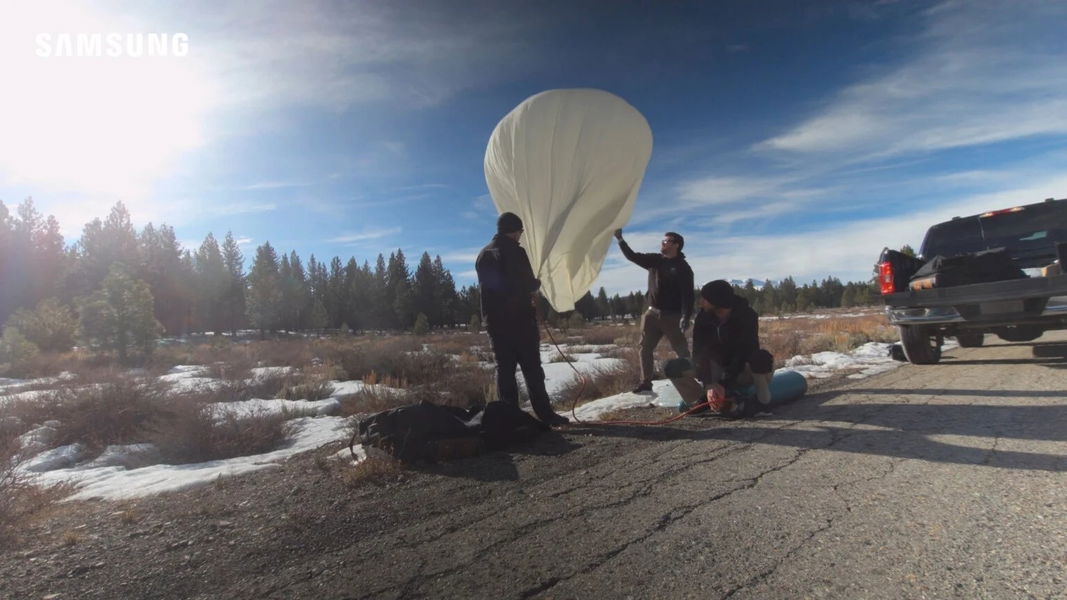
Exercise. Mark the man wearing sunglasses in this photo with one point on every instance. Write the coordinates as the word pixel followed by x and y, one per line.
pixel 670 300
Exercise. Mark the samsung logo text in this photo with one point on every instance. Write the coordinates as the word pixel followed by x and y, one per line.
pixel 112 45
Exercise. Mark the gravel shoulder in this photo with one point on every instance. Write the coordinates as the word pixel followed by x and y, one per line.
pixel 934 481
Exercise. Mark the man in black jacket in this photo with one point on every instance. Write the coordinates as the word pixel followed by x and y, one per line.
pixel 726 349
pixel 508 289
pixel 670 300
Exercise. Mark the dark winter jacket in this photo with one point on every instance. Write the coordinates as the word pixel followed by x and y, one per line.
pixel 506 281
pixel 731 343
pixel 670 280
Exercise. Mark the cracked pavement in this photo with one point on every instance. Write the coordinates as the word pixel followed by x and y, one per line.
pixel 941 481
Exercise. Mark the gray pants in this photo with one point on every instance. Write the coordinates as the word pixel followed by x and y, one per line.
pixel 693 393
pixel 654 325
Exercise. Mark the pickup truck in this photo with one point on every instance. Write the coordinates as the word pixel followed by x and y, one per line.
pixel 999 272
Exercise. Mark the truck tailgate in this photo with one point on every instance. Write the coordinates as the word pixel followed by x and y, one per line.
pixel 994 291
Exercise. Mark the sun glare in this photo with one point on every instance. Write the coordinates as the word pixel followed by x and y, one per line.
pixel 93 123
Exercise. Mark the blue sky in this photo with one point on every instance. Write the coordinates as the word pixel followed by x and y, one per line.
pixel 790 138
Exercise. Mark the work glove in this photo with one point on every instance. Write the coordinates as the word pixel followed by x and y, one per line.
pixel 618 234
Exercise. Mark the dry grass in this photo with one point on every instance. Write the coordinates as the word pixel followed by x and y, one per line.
pixel 373 398
pixel 599 335
pixel 192 432
pixel 602 382
pixel 374 469
pixel 785 338
pixel 21 499
pixel 119 409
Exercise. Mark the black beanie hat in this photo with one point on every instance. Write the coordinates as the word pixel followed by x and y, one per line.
pixel 718 293
pixel 508 223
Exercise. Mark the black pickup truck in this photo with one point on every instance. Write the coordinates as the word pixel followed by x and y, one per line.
pixel 999 272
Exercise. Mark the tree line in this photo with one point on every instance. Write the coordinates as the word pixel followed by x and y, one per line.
pixel 124 287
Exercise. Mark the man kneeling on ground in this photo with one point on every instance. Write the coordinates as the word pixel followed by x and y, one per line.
pixel 726 349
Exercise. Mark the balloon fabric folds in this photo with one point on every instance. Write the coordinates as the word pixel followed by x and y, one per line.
pixel 569 163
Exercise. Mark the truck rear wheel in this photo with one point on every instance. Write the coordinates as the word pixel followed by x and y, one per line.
pixel 970 339
pixel 920 345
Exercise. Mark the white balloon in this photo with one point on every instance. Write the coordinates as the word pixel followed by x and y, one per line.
pixel 569 164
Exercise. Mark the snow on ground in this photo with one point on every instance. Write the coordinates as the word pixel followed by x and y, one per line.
pixel 110 476
pixel 189 378
pixel 265 372
pixel 116 482
pixel 560 374
pixel 663 394
pixel 28 395
pixel 257 407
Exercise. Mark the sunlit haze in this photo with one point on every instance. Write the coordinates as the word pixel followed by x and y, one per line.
pixel 790 138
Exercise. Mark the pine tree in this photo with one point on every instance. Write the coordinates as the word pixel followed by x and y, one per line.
pixel 424 291
pixel 234 304
pixel 398 291
pixel 33 261
pixel 445 294
pixel 212 287
pixel 263 293
pixel 356 286
pixel 603 305
pixel 586 305
pixel 336 294
pixel 7 264
pixel 298 291
pixel 51 325
pixel 104 244
pixel 169 274
pixel 422 325
pixel 119 316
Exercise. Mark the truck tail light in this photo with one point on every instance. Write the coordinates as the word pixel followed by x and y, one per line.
pixel 885 278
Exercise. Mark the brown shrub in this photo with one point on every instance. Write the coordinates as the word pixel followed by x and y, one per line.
pixel 192 432
pixel 454 343
pixel 20 498
pixel 602 382
pixel 373 398
pixel 608 334
pixel 785 338
pixel 118 410
pixel 373 469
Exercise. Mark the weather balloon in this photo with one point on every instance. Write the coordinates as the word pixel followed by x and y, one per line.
pixel 569 163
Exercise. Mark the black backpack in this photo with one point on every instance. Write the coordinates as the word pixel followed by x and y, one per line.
pixel 414 432
pixel 431 432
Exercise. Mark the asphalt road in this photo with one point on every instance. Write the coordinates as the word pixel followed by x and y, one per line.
pixel 944 481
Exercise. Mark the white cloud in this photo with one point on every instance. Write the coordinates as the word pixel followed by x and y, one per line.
pixel 981 73
pixel 846 250
pixel 463 255
pixel 337 56
pixel 363 236
pixel 237 208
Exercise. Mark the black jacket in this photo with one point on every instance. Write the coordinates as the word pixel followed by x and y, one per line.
pixel 506 281
pixel 670 280
pixel 731 343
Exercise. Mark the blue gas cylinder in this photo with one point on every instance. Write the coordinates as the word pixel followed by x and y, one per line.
pixel 787 386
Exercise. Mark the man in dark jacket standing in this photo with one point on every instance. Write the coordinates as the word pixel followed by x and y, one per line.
pixel 508 289
pixel 726 349
pixel 670 300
